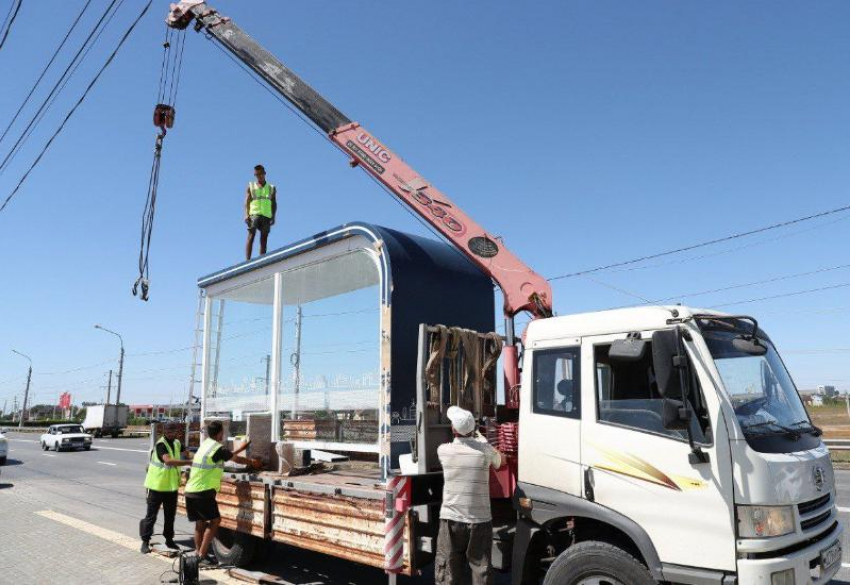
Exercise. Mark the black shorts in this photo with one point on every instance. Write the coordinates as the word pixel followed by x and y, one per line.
pixel 259 222
pixel 201 508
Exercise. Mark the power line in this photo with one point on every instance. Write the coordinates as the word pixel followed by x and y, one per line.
pixel 703 244
pixel 743 285
pixel 79 102
pixel 59 85
pixel 784 295
pixel 10 19
pixel 44 71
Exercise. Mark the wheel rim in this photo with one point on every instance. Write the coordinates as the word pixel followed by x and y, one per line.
pixel 599 580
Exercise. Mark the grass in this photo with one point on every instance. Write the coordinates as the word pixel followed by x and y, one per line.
pixel 833 419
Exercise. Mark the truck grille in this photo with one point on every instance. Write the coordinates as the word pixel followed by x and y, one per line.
pixel 813 505
pixel 815 512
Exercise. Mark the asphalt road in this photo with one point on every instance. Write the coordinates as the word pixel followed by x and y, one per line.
pixel 103 487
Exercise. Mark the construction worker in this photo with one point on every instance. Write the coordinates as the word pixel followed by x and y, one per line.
pixel 260 210
pixel 466 523
pixel 205 482
pixel 162 481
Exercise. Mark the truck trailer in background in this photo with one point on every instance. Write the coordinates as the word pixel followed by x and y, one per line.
pixel 106 419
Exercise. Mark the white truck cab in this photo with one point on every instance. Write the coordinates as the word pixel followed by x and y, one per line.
pixel 668 444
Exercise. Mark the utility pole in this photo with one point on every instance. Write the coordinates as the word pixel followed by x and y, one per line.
pixel 109 388
pixel 27 391
pixel 15 408
pixel 5 401
pixel 120 361
pixel 295 359
pixel 268 360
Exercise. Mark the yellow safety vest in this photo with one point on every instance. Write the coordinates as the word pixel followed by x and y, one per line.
pixel 261 202
pixel 206 473
pixel 162 477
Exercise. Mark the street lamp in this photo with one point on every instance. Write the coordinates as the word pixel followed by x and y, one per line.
pixel 27 391
pixel 120 361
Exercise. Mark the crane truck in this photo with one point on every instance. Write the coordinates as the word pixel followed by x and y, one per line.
pixel 654 444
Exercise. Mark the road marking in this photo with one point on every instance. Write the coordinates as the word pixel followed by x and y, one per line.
pixel 48 454
pixel 120 449
pixel 107 463
pixel 840 509
pixel 24 440
pixel 127 542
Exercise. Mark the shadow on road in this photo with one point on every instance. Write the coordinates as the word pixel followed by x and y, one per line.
pixel 11 462
pixel 3 486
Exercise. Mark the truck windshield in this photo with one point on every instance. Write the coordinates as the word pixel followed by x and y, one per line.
pixel 762 392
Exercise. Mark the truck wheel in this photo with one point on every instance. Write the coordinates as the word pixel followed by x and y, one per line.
pixel 3 460
pixel 233 549
pixel 597 563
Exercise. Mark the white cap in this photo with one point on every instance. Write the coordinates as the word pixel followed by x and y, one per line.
pixel 462 420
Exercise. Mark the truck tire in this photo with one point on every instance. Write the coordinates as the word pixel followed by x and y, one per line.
pixel 233 549
pixel 597 563
pixel 3 460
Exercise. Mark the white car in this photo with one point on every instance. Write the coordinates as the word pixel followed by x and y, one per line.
pixel 4 448
pixel 70 436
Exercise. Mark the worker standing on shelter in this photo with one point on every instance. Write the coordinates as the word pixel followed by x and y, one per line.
pixel 162 482
pixel 466 523
pixel 205 482
pixel 260 210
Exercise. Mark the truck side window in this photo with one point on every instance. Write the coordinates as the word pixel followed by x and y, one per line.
pixel 557 376
pixel 627 395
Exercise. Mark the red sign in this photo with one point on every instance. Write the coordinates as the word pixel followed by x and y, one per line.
pixel 65 400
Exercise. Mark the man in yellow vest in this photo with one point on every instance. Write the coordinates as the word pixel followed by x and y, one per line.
pixel 205 482
pixel 260 210
pixel 162 481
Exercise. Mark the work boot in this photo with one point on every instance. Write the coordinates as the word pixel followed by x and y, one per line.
pixel 145 548
pixel 169 543
pixel 207 563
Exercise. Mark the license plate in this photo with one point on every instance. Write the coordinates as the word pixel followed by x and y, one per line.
pixel 830 556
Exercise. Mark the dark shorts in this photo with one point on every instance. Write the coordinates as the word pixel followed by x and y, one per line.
pixel 201 508
pixel 259 222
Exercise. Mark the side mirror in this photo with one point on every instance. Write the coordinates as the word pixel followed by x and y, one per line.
pixel 665 351
pixel 673 415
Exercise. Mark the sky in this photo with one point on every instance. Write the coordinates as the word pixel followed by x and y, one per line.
pixel 583 133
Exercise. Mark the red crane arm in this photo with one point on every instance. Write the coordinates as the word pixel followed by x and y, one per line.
pixel 522 288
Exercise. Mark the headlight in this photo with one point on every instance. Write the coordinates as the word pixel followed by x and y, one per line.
pixel 764 521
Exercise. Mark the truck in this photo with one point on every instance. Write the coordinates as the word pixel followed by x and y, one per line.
pixel 106 419
pixel 651 444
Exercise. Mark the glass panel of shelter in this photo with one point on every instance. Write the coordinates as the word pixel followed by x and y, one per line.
pixel 330 382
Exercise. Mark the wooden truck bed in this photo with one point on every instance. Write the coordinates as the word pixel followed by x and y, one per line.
pixel 340 513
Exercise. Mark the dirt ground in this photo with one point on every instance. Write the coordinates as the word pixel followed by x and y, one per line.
pixel 832 419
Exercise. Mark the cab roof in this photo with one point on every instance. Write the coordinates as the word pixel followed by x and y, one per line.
pixel 611 321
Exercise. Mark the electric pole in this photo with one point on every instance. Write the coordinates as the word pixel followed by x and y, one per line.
pixel 120 361
pixel 268 360
pixel 15 408
pixel 295 359
pixel 5 401
pixel 27 391
pixel 109 388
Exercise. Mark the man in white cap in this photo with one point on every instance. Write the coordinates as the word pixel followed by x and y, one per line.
pixel 466 524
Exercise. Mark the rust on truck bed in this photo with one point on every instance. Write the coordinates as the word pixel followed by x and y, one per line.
pixel 243 506
pixel 338 513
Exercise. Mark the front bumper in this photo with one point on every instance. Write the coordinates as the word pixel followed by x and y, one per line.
pixel 804 562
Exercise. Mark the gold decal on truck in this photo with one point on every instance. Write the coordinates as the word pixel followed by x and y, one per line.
pixel 636 468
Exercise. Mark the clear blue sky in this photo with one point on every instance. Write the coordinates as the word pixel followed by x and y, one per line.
pixel 582 132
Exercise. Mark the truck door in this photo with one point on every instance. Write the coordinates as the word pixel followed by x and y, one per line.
pixel 641 470
pixel 550 432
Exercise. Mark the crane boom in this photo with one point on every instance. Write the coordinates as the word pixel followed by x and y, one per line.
pixel 522 288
